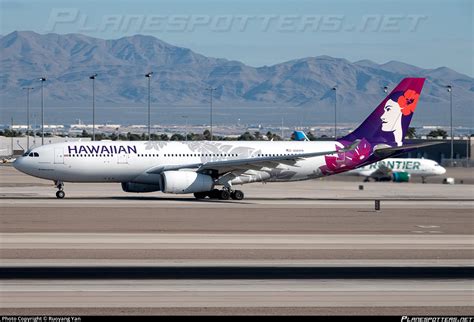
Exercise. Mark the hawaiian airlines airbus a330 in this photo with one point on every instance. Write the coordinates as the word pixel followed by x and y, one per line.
pixel 200 166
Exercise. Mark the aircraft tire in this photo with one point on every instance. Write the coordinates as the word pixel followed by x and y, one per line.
pixel 237 195
pixel 200 195
pixel 214 194
pixel 224 194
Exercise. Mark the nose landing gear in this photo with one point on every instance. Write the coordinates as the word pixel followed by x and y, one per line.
pixel 60 193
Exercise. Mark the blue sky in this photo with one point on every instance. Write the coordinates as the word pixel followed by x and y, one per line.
pixel 426 33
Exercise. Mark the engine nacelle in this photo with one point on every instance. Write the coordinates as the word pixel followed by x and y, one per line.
pixel 186 182
pixel 400 176
pixel 139 187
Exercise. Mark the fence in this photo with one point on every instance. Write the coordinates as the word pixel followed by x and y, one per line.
pixel 466 163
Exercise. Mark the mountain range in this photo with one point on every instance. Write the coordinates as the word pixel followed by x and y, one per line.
pixel 181 77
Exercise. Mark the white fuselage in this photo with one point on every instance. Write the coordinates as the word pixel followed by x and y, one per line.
pixel 415 167
pixel 130 161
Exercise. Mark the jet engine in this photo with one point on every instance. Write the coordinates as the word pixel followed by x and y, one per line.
pixel 139 187
pixel 400 176
pixel 186 182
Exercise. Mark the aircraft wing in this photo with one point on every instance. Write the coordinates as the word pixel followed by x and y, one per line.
pixel 253 163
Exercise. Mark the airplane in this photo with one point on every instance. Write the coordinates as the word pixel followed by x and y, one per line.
pixel 300 136
pixel 198 167
pixel 399 170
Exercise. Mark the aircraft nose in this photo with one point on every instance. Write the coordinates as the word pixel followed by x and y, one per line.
pixel 19 163
pixel 442 170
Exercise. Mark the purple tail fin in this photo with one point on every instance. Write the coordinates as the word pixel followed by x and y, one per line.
pixel 389 122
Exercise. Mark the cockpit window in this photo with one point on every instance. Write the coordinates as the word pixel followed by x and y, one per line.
pixel 35 154
pixel 31 154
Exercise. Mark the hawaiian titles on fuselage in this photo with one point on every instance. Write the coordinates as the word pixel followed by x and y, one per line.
pixel 101 149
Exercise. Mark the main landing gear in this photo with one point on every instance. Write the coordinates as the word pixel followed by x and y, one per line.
pixel 223 194
pixel 60 193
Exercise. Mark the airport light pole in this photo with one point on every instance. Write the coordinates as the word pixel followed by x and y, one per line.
pixel 148 75
pixel 28 116
pixel 468 141
pixel 281 128
pixel 93 77
pixel 42 80
pixel 211 89
pixel 450 91
pixel 185 127
pixel 335 112
pixel 34 127
pixel 11 140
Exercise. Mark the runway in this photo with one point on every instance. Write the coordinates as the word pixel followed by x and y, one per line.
pixel 314 247
pixel 235 293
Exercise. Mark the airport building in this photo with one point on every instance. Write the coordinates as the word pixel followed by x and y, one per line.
pixel 441 153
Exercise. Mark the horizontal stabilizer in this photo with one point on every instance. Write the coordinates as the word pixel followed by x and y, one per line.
pixel 385 152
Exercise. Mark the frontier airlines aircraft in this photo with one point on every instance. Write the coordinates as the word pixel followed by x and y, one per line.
pixel 200 166
pixel 399 169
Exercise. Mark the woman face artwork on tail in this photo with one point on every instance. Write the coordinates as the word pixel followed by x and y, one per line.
pixel 384 128
pixel 398 105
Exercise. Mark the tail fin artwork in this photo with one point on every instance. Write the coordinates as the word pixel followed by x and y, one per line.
pixel 300 136
pixel 389 122
pixel 381 134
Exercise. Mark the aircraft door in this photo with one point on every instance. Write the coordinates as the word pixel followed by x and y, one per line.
pixel 58 156
pixel 122 158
